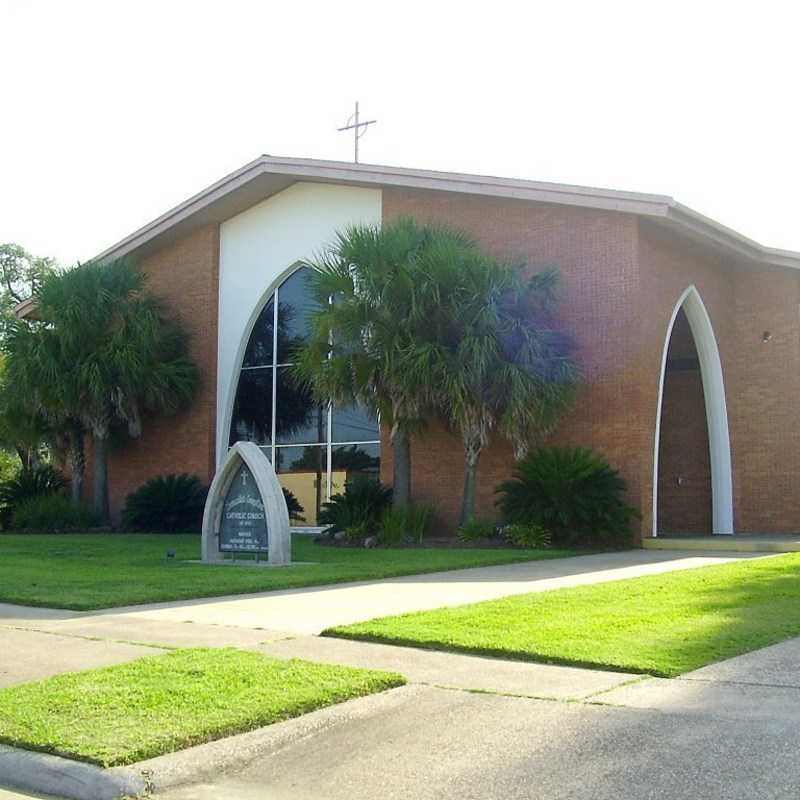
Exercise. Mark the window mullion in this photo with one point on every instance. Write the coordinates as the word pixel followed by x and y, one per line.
pixel 330 418
pixel 274 374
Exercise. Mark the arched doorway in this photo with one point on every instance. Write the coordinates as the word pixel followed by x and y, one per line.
pixel 692 486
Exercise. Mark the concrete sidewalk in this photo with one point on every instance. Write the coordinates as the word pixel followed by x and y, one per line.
pixel 724 732
pixel 40 642
pixel 763 684
pixel 455 670
pixel 311 610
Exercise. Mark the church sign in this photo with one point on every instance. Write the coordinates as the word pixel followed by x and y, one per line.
pixel 243 526
pixel 246 510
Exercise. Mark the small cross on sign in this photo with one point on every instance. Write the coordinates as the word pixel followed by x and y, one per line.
pixel 244 478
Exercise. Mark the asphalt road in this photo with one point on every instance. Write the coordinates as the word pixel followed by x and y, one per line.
pixel 428 743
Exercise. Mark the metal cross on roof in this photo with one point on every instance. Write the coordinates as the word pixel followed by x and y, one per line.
pixel 353 124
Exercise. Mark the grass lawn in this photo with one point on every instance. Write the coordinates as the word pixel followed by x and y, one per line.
pixel 130 712
pixel 663 625
pixel 88 571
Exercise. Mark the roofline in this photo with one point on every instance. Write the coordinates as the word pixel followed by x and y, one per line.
pixel 25 308
pixel 653 206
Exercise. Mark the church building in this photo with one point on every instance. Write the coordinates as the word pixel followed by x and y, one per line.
pixel 688 338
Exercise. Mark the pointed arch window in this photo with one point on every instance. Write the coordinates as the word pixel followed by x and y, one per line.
pixel 314 448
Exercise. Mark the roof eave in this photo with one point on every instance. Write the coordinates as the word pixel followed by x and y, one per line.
pixel 210 204
pixel 26 309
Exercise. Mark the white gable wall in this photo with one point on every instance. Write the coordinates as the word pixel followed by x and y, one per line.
pixel 257 247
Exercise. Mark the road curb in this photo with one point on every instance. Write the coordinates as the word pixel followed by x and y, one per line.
pixel 61 777
pixel 42 773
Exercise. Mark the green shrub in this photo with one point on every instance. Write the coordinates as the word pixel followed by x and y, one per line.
pixel 476 530
pixel 39 482
pixel 362 503
pixel 392 532
pixel 531 536
pixel 355 534
pixel 51 513
pixel 166 504
pixel 9 465
pixel 573 493
pixel 407 524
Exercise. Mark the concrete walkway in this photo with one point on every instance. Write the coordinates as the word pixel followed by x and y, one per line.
pixel 455 670
pixel 40 642
pixel 311 610
pixel 9 795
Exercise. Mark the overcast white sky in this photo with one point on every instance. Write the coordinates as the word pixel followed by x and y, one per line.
pixel 116 111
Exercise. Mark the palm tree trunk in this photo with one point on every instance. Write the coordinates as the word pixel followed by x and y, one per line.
pixel 100 476
pixel 472 454
pixel 401 459
pixel 77 462
pixel 24 455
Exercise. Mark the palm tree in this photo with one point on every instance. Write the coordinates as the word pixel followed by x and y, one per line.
pixel 37 413
pixel 489 354
pixel 103 353
pixel 367 291
pixel 21 430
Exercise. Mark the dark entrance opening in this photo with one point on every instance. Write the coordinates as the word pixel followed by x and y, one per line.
pixel 684 462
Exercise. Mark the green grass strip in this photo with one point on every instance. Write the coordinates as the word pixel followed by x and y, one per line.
pixel 130 712
pixel 662 625
pixel 90 571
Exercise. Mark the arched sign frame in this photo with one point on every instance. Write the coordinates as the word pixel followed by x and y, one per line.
pixel 276 512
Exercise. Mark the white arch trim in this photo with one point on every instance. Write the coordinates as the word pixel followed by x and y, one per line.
pixel 230 394
pixel 255 248
pixel 716 411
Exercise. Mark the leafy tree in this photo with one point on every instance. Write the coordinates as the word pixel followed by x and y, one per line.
pixel 489 354
pixel 22 430
pixel 21 274
pixel 103 352
pixel 41 422
pixel 357 350
pixel 421 321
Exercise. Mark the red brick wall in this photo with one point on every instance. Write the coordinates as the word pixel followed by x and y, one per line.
pixel 621 277
pixel 763 400
pixel 185 276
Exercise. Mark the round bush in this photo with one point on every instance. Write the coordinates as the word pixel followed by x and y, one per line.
pixel 51 513
pixel 571 492
pixel 476 530
pixel 27 483
pixel 527 536
pixel 166 504
pixel 359 508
